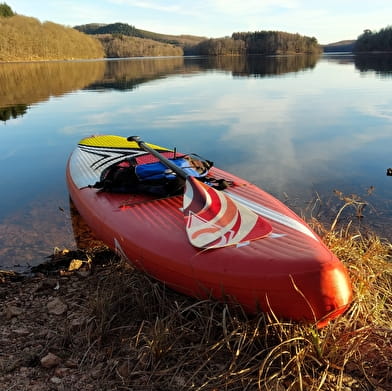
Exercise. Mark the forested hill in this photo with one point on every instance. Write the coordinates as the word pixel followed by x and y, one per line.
pixel 341 46
pixel 259 42
pixel 124 40
pixel 124 29
pixel 23 39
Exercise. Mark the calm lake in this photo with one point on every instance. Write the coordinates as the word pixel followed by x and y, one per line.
pixel 299 127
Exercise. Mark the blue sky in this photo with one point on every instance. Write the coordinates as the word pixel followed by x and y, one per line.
pixel 329 20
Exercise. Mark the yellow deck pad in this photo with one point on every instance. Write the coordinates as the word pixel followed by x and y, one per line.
pixel 110 141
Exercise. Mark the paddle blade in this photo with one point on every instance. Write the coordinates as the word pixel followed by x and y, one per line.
pixel 214 220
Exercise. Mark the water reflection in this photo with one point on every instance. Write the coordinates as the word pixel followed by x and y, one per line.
pixel 128 74
pixel 260 66
pixel 23 84
pixel 6 113
pixel 381 64
pixel 339 58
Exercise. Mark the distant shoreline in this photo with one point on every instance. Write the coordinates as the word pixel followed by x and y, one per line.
pixel 145 57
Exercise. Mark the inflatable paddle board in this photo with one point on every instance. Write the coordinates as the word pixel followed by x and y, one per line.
pixel 234 243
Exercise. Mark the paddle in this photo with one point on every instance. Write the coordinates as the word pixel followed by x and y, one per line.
pixel 213 219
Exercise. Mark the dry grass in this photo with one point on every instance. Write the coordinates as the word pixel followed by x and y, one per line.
pixel 140 335
pixel 144 336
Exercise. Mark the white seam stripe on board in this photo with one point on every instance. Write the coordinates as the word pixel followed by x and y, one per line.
pixel 273 215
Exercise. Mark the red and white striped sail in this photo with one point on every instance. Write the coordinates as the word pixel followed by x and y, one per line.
pixel 215 220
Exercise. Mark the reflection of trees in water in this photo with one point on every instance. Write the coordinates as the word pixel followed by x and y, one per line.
pixel 379 63
pixel 263 65
pixel 24 84
pixel 7 113
pixel 27 83
pixel 128 74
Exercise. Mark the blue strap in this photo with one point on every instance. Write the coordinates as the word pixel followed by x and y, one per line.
pixel 158 171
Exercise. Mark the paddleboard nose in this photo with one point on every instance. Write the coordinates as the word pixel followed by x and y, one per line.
pixel 336 293
pixel 313 296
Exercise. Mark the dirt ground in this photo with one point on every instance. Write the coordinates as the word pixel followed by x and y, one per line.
pixel 58 333
pixel 42 329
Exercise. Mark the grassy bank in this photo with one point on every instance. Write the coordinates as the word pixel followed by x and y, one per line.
pixel 125 331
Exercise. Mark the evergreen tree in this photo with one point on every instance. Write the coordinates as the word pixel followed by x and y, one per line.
pixel 375 40
pixel 5 10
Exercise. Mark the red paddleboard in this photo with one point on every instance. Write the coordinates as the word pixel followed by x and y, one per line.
pixel 237 245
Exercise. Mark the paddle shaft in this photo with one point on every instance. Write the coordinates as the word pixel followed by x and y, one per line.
pixel 212 224
pixel 179 172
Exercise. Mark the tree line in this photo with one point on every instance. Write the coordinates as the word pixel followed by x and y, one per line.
pixel 117 46
pixel 371 41
pixel 259 42
pixel 263 42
